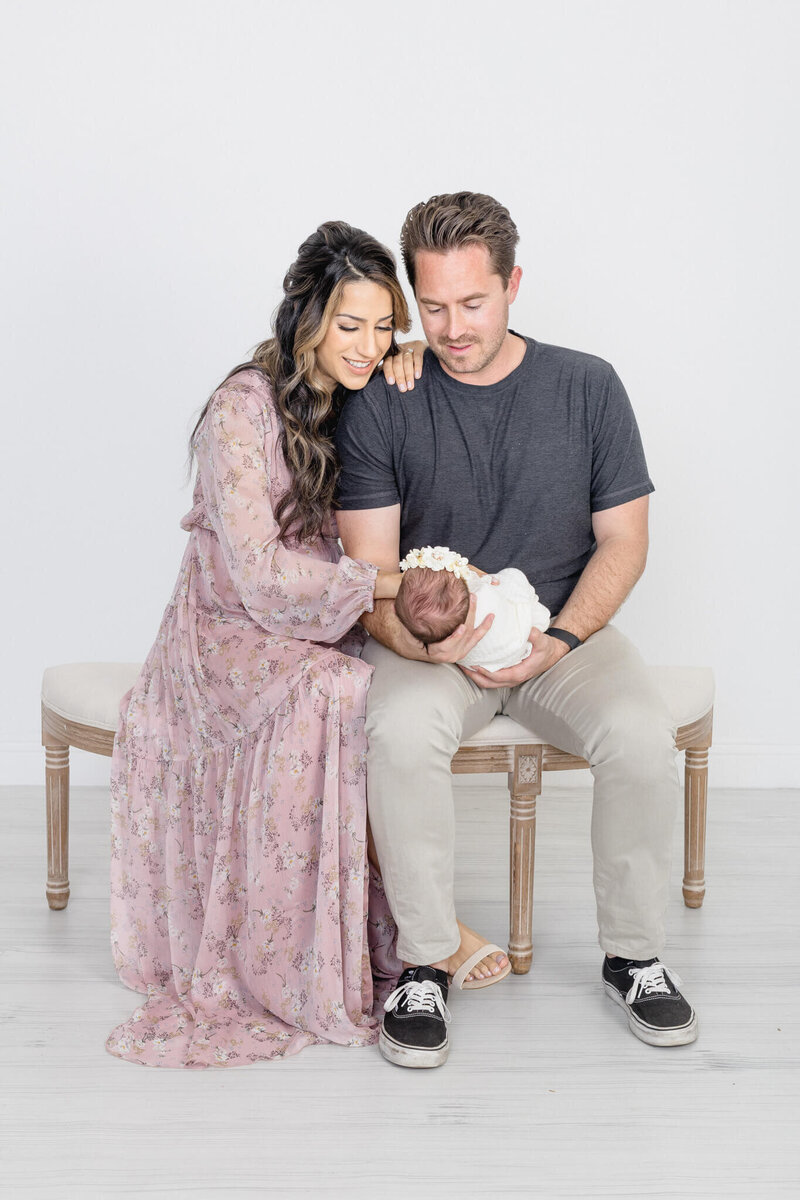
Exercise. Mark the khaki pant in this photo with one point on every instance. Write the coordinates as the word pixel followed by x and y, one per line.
pixel 596 702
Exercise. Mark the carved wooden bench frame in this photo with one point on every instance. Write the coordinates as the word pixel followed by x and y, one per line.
pixel 524 764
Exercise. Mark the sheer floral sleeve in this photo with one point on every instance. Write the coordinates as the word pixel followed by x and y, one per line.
pixel 287 591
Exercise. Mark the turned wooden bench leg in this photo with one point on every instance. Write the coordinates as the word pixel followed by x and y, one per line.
pixel 694 826
pixel 57 789
pixel 525 784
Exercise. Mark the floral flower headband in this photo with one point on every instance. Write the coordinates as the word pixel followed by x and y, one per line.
pixel 438 558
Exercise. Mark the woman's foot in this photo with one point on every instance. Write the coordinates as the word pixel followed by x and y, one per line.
pixel 471 941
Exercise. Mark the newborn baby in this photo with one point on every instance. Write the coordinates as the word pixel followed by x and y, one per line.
pixel 433 600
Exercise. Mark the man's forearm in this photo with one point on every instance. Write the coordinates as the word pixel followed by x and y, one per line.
pixel 383 624
pixel 606 580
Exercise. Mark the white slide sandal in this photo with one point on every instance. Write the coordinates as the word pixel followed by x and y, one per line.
pixel 473 960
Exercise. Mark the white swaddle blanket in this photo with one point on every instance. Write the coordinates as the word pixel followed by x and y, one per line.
pixel 517 610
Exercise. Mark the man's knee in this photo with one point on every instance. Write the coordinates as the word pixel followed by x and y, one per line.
pixel 638 730
pixel 404 728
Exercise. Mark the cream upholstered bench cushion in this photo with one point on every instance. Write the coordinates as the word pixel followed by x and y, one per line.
pixel 89 693
pixel 688 692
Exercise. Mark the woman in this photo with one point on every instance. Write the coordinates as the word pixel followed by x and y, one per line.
pixel 239 882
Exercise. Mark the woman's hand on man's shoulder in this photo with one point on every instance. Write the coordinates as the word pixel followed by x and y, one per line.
pixel 405 366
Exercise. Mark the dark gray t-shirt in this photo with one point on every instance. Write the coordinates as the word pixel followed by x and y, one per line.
pixel 508 474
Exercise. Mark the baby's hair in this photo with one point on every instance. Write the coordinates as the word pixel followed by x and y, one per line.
pixel 431 604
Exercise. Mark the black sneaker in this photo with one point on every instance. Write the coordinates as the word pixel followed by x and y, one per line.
pixel 657 1013
pixel 414 1030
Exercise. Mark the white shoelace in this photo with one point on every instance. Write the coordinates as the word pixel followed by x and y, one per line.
pixel 650 981
pixel 421 996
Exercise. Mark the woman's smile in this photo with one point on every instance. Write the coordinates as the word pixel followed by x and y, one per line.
pixel 360 366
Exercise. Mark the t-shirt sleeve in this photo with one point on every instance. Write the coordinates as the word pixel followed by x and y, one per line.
pixel 619 468
pixel 364 444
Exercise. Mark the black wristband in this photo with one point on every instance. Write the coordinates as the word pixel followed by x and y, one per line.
pixel 568 639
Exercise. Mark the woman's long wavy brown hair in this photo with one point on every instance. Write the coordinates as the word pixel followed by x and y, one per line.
pixel 335 255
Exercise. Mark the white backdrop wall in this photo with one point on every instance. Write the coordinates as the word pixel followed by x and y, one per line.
pixel 162 161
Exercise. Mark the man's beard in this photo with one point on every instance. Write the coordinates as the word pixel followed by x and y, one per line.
pixel 487 353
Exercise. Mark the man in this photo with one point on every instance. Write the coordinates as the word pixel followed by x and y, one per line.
pixel 513 453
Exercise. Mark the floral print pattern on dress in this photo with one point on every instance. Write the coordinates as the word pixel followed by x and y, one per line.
pixel 242 903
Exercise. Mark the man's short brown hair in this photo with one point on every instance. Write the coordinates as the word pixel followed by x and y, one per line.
pixel 460 219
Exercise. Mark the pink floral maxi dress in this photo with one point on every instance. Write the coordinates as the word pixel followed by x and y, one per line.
pixel 240 890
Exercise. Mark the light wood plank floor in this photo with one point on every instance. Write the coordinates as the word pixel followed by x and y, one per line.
pixel 546 1093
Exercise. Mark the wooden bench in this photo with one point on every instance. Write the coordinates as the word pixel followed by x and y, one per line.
pixel 80 705
pixel 503 745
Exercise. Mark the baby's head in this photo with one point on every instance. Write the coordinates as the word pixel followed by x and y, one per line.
pixel 432 603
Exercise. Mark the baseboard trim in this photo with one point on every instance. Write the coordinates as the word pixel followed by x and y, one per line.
pixel 731 765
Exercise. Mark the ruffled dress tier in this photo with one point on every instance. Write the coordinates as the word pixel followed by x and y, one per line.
pixel 242 903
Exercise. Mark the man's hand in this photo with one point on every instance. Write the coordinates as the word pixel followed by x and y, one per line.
pixel 461 640
pixel 545 654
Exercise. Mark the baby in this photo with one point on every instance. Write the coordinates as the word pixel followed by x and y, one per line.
pixel 433 600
